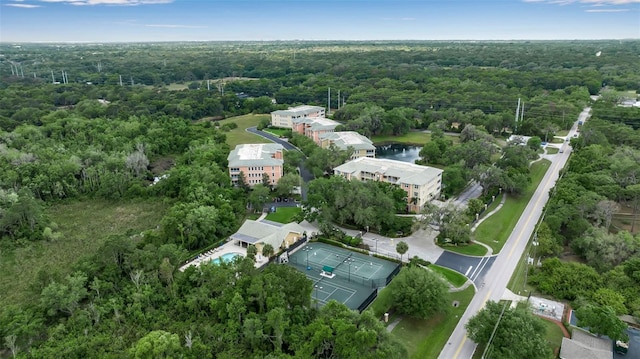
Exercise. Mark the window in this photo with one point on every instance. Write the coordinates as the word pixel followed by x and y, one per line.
pixel 416 186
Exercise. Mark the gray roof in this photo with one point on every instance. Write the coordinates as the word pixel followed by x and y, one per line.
pixel 345 139
pixel 299 110
pixel 260 154
pixel 266 232
pixel 318 123
pixel 405 172
pixel 585 346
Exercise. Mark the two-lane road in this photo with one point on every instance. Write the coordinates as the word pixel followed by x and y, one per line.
pixel 497 278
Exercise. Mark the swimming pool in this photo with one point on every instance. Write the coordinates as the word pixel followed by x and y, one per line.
pixel 227 257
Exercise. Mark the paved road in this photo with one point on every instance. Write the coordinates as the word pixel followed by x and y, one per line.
pixel 304 173
pixel 459 346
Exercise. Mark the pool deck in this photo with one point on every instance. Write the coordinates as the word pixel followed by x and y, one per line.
pixel 229 247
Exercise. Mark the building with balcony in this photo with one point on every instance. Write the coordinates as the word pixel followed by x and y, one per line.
pixel 314 127
pixel 284 118
pixel 253 160
pixel 422 183
pixel 361 145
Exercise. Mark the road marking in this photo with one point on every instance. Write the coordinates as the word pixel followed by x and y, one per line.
pixel 466 274
pixel 536 205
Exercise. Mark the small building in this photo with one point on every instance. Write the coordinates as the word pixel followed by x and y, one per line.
pixel 361 145
pixel 314 127
pixel 583 345
pixel 284 118
pixel 422 183
pixel 279 236
pixel 254 160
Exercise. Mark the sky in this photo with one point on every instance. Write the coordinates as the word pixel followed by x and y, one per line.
pixel 312 20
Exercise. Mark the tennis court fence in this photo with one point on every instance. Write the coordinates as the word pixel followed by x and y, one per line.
pixel 351 277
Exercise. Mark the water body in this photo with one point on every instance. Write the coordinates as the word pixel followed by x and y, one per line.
pixel 399 152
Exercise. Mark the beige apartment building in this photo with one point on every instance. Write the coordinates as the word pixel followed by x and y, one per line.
pixel 284 118
pixel 361 145
pixel 255 159
pixel 422 183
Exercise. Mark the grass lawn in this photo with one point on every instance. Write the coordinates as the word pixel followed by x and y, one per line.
pixel 425 338
pixel 239 136
pixel 283 214
pixel 493 205
pixel 554 335
pixel 84 225
pixel 496 229
pixel 516 283
pixel 417 138
pixel 382 303
pixel 456 279
pixel 278 131
pixel 472 249
pixel 552 150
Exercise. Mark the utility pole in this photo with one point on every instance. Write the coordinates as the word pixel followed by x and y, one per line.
pixel 329 101
pixel 517 114
pixel 494 331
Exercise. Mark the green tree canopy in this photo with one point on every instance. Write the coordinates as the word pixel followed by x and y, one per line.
pixel 518 333
pixel 419 293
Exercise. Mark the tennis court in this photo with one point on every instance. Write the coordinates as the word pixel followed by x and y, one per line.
pixel 342 275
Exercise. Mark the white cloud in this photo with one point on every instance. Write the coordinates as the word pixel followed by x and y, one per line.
pixel 606 10
pixel 24 6
pixel 176 26
pixel 588 2
pixel 109 2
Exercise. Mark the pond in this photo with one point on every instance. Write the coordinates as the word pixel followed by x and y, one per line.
pixel 399 152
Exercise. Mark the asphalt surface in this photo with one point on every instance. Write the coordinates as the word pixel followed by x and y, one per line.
pixel 497 277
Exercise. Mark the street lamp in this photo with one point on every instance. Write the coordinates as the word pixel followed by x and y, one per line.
pixel 307 249
pixel 349 261
pixel 316 288
pixel 376 239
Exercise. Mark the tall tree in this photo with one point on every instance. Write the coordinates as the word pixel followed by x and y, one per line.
pixel 509 333
pixel 602 320
pixel 419 293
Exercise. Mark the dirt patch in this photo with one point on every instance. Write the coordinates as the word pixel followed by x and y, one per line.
pixel 162 165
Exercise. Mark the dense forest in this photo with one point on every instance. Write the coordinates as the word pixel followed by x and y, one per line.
pixel 88 123
pixel 593 214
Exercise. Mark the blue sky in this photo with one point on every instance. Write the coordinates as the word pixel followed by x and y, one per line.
pixel 216 20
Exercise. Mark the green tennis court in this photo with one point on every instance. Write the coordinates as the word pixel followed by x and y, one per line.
pixel 340 274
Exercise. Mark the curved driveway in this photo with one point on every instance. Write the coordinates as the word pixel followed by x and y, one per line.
pixel 304 173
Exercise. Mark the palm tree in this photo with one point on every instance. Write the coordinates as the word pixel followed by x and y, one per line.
pixel 252 251
pixel 268 250
pixel 402 248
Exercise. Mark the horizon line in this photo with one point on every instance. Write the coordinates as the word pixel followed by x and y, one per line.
pixel 4 42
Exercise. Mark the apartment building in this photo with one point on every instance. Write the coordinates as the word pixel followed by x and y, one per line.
pixel 284 118
pixel 422 183
pixel 255 159
pixel 361 145
pixel 314 127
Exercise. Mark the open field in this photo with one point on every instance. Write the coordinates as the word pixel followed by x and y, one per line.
pixel 85 225
pixel 496 229
pixel 425 338
pixel 278 131
pixel 417 138
pixel 239 136
pixel 284 214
